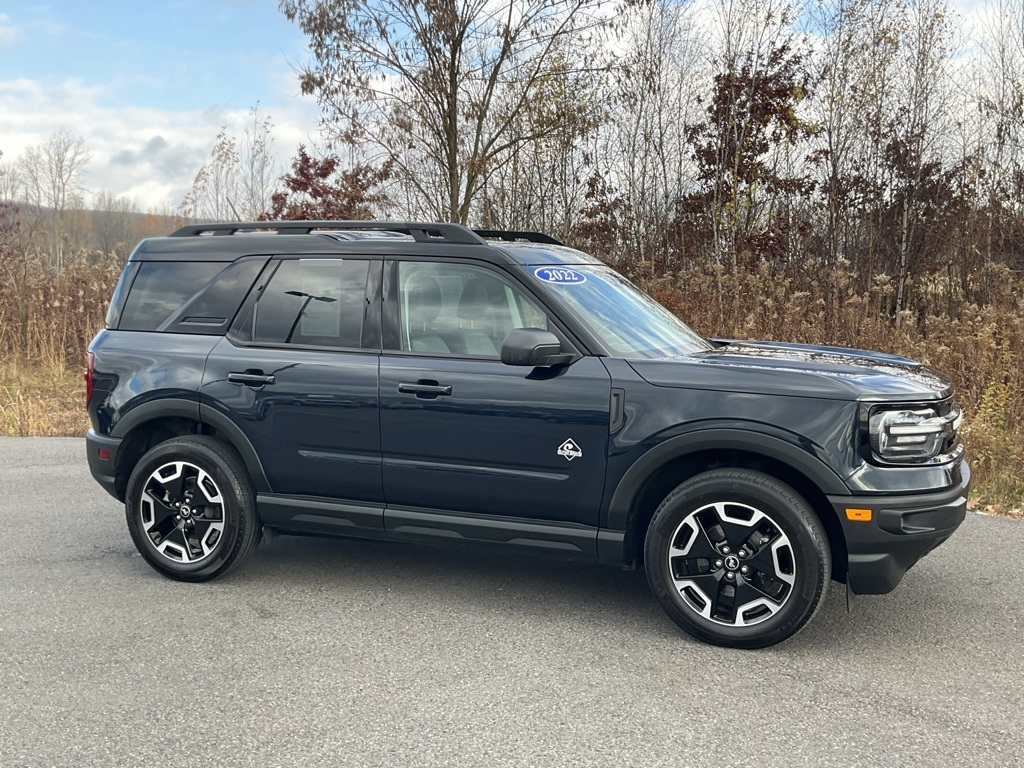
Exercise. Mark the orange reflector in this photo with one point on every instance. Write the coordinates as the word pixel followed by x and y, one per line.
pixel 863 515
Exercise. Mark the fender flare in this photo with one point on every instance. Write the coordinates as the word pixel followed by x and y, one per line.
pixel 177 407
pixel 769 446
pixel 163 408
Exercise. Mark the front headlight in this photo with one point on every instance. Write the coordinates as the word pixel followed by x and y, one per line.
pixel 912 434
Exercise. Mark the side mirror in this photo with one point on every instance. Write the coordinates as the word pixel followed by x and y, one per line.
pixel 534 347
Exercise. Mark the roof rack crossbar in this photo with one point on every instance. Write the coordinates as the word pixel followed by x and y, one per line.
pixel 511 235
pixel 421 232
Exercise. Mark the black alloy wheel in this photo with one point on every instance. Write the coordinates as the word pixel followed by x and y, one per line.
pixel 190 509
pixel 737 558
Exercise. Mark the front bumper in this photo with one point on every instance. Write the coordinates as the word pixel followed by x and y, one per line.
pixel 901 530
pixel 102 454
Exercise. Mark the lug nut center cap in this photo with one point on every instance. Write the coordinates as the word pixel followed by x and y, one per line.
pixel 732 562
pixel 186 510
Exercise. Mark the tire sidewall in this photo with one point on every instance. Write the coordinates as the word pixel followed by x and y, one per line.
pixel 235 496
pixel 796 521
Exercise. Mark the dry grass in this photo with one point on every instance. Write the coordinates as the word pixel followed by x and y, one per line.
pixel 980 347
pixel 47 320
pixel 42 400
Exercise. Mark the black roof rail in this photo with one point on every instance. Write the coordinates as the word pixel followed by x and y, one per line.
pixel 421 232
pixel 510 236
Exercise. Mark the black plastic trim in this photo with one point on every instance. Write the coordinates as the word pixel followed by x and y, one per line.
pixel 512 236
pixel 421 232
pixel 164 408
pixel 303 514
pixel 618 410
pixel 611 547
pixel 434 525
pixel 104 471
pixel 902 529
pixel 776 448
pixel 173 407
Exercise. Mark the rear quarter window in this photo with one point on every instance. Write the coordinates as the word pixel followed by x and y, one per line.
pixel 161 288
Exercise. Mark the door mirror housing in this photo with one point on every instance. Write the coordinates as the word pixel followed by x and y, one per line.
pixel 534 347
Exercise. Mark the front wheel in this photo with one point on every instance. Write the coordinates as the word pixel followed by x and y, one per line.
pixel 737 558
pixel 191 509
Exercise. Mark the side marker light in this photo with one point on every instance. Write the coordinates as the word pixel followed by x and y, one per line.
pixel 860 515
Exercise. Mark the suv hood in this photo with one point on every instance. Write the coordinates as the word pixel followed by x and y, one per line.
pixel 799 370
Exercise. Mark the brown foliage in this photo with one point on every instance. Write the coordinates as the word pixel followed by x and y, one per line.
pixel 47 320
pixel 981 347
pixel 318 190
pixel 49 317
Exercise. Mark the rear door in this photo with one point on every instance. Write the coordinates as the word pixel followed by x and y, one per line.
pixel 298 375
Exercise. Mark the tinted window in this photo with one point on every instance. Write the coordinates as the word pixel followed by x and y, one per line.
pixel 318 302
pixel 120 292
pixel 161 288
pixel 211 311
pixel 460 309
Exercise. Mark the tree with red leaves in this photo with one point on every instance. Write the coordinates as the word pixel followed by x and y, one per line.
pixel 316 189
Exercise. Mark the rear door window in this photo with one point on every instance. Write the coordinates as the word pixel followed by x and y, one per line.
pixel 313 302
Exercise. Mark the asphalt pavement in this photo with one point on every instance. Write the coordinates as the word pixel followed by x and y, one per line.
pixel 333 652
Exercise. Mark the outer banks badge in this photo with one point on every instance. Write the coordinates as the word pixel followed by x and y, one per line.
pixel 570 450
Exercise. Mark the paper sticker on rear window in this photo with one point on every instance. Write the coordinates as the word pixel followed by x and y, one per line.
pixel 560 275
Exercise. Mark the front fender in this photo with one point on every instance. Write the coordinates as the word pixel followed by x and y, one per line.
pixel 774 447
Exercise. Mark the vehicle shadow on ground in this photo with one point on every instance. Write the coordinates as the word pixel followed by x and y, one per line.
pixel 528 587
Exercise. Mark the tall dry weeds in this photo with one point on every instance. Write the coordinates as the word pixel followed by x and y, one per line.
pixel 48 319
pixel 980 347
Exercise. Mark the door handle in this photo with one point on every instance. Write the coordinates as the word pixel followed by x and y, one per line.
pixel 251 378
pixel 424 389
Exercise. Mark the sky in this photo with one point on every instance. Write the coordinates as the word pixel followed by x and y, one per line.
pixel 148 84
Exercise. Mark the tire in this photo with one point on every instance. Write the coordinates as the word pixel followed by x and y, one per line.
pixel 737 558
pixel 191 509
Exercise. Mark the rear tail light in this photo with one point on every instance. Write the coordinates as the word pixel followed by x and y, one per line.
pixel 90 370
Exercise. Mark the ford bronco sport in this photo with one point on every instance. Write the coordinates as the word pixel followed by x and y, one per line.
pixel 428 382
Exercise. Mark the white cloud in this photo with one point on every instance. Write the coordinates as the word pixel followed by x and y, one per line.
pixel 148 154
pixel 9 34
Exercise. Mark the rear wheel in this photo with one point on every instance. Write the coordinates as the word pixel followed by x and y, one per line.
pixel 737 558
pixel 191 510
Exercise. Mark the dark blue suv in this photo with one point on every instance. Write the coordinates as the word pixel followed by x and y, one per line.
pixel 428 382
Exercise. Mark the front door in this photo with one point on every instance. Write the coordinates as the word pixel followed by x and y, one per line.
pixel 464 434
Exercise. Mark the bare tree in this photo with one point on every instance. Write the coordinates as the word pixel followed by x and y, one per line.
pixel 917 129
pixel 52 184
pixel 658 81
pixel 434 88
pixel 210 198
pixel 239 178
pixel 997 89
pixel 541 185
pixel 10 183
pixel 258 170
pixel 752 116
pixel 113 221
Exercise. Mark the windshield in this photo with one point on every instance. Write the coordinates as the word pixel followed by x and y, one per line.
pixel 629 322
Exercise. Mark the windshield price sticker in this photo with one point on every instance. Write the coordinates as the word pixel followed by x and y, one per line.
pixel 560 276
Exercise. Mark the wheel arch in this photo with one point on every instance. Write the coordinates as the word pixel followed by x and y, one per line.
pixel 676 460
pixel 150 424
